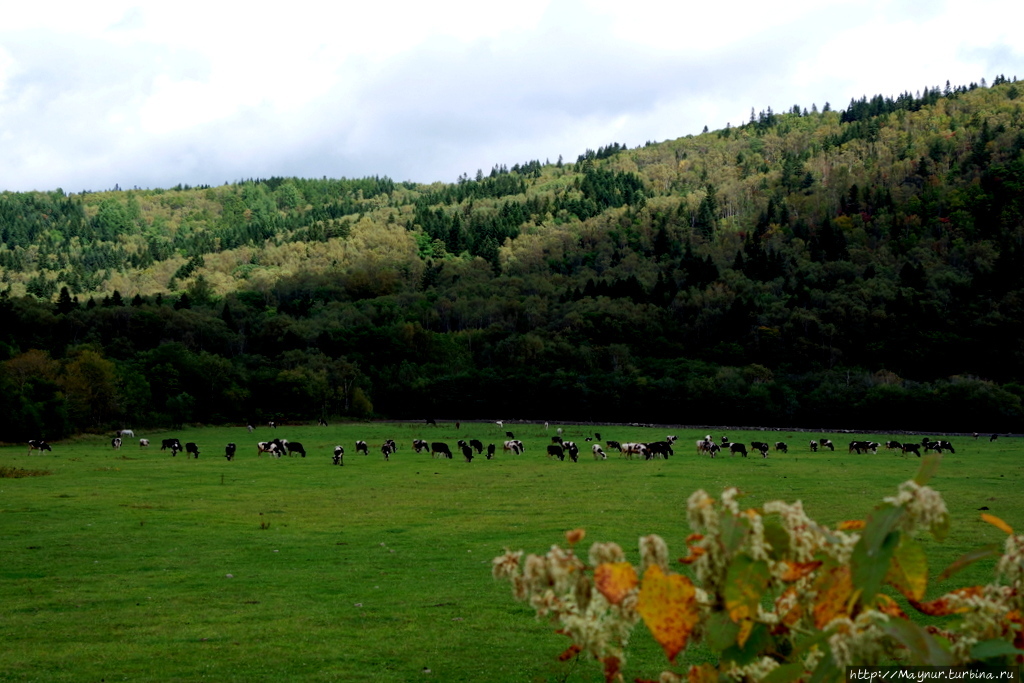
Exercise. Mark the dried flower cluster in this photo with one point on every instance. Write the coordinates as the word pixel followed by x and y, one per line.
pixel 777 593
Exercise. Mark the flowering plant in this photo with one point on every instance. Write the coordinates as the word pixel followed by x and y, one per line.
pixel 778 596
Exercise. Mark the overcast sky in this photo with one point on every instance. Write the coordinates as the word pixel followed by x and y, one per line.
pixel 106 92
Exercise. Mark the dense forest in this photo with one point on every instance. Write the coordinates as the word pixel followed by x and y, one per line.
pixel 826 268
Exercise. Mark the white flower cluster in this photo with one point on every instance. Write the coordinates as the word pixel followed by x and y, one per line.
pixel 859 641
pixel 1011 567
pixel 754 671
pixel 924 507
pixel 984 617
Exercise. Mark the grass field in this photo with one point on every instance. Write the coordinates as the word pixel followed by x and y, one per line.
pixel 132 565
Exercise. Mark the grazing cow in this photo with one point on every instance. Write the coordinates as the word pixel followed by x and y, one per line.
pixel 229 451
pixel 125 432
pixel 38 444
pixel 501 425
pixel 714 448
pixel 192 449
pixel 913 448
pixel 662 448
pixel 814 446
pixel 993 438
pixel 392 445
pixel 490 451
pixel 250 428
pixel 143 442
pixel 860 447
pixel 467 453
pixel 760 446
pixel 614 444
pixel 740 448
pixel 477 445
pixel 514 446
pixel 295 447
pixel 339 453
pixel 458 426
pixel 572 448
pixel 827 443
pixel 264 447
pixel 631 449
pixel 703 446
pixel 944 446
pixel 362 447
pixel 556 439
pixel 599 453
pixel 272 424
pixel 430 421
pixel 556 451
pixel 173 444
pixel 321 422
pixel 893 445
pixel 510 435
pixel 420 445
pixel 439 448
pixel 386 450
pixel 116 443
pixel 671 438
pixel 781 446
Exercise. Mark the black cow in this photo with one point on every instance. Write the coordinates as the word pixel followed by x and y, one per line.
pixel 467 453
pixel 760 446
pixel 614 444
pixel 509 435
pixel 38 444
pixel 490 451
pixel 893 445
pixel 740 448
pixel 229 451
pixel 993 438
pixel 438 448
pixel 361 447
pixel 781 446
pixel 431 422
pixel 296 447
pixel 339 453
pixel 572 448
pixel 191 449
pixel 860 447
pixel 554 450
pixel 913 448
pixel 173 444
pixel 662 448
pixel 477 445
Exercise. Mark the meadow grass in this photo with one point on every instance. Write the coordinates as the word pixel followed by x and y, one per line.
pixel 133 565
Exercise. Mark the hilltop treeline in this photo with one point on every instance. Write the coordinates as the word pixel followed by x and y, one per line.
pixel 845 268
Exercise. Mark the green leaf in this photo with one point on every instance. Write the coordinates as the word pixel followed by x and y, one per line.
pixel 721 631
pixel 873 553
pixel 758 641
pixel 993 648
pixel 733 530
pixel 967 559
pixel 827 671
pixel 777 537
pixel 929 466
pixel 784 674
pixel 746 581
pixel 908 570
pixel 923 647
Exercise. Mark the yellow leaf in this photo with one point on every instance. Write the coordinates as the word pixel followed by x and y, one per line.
pixel 798 570
pixel 851 525
pixel 835 590
pixel 703 673
pixel 615 580
pixel 942 607
pixel 887 605
pixel 997 523
pixel 746 626
pixel 668 606
pixel 908 569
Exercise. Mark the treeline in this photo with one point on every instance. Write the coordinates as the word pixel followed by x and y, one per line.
pixel 855 268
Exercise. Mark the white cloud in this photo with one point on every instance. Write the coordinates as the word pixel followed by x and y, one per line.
pixel 208 92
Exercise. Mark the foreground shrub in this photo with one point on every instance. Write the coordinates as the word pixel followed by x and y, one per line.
pixel 779 597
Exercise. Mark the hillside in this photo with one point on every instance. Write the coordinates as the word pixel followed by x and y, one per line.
pixel 840 268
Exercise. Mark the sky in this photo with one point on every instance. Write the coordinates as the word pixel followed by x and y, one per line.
pixel 115 93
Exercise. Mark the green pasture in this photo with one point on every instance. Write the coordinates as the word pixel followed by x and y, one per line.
pixel 132 565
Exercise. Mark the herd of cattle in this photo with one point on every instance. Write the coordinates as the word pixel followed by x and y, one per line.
pixel 558 448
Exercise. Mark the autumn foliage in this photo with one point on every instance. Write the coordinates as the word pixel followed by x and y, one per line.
pixel 779 597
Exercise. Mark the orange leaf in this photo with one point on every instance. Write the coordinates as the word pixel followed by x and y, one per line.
pixel 574 536
pixel 668 606
pixel 851 525
pixel 615 580
pixel 612 668
pixel 835 590
pixel 887 605
pixel 798 570
pixel 793 614
pixel 694 537
pixel 704 673
pixel 695 552
pixel 997 523
pixel 571 652
pixel 942 606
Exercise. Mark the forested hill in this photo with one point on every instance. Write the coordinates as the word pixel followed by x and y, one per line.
pixel 859 267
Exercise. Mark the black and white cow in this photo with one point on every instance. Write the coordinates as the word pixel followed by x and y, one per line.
pixel 893 445
pixel 860 447
pixel 115 443
pixel 781 446
pixel 38 444
pixel 143 442
pixel 599 453
pixel 760 446
pixel 173 444
pixel 419 445
pixel 362 447
pixel 631 449
pixel 614 444
pixel 440 449
pixel 513 445
pixel 572 449
pixel 814 446
pixel 339 454
pixel 229 451
pixel 191 449
pixel 827 443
